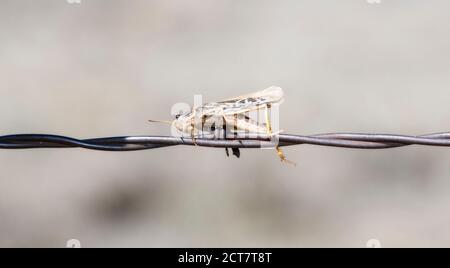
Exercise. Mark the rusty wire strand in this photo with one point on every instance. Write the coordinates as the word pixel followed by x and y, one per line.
pixel 133 143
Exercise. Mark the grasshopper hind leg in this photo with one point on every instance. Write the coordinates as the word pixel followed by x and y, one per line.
pixel 280 152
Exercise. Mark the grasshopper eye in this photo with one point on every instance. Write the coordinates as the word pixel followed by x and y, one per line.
pixel 177 116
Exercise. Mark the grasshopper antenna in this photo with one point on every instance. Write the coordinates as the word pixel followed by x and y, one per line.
pixel 160 121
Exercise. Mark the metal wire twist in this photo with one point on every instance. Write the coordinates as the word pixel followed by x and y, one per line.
pixel 132 143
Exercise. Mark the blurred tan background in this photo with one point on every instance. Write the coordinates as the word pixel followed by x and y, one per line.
pixel 102 68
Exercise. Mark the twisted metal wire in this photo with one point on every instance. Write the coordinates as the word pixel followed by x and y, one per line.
pixel 133 143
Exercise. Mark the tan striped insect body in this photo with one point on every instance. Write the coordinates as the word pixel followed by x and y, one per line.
pixel 232 116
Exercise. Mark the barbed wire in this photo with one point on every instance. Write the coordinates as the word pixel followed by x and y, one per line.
pixel 133 143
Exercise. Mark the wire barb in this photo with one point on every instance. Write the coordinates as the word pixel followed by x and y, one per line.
pixel 133 143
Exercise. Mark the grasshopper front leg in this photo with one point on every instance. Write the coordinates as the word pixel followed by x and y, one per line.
pixel 193 127
pixel 236 151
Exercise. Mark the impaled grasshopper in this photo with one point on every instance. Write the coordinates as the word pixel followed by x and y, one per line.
pixel 232 116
